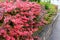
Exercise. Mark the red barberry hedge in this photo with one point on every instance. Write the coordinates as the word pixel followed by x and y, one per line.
pixel 19 20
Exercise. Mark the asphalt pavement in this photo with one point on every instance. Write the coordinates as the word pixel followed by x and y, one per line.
pixel 56 31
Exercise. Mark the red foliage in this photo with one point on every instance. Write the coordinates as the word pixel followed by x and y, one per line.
pixel 19 20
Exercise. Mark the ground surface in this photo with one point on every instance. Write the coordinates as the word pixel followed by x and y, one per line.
pixel 56 32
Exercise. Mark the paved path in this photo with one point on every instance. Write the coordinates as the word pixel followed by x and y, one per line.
pixel 56 32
